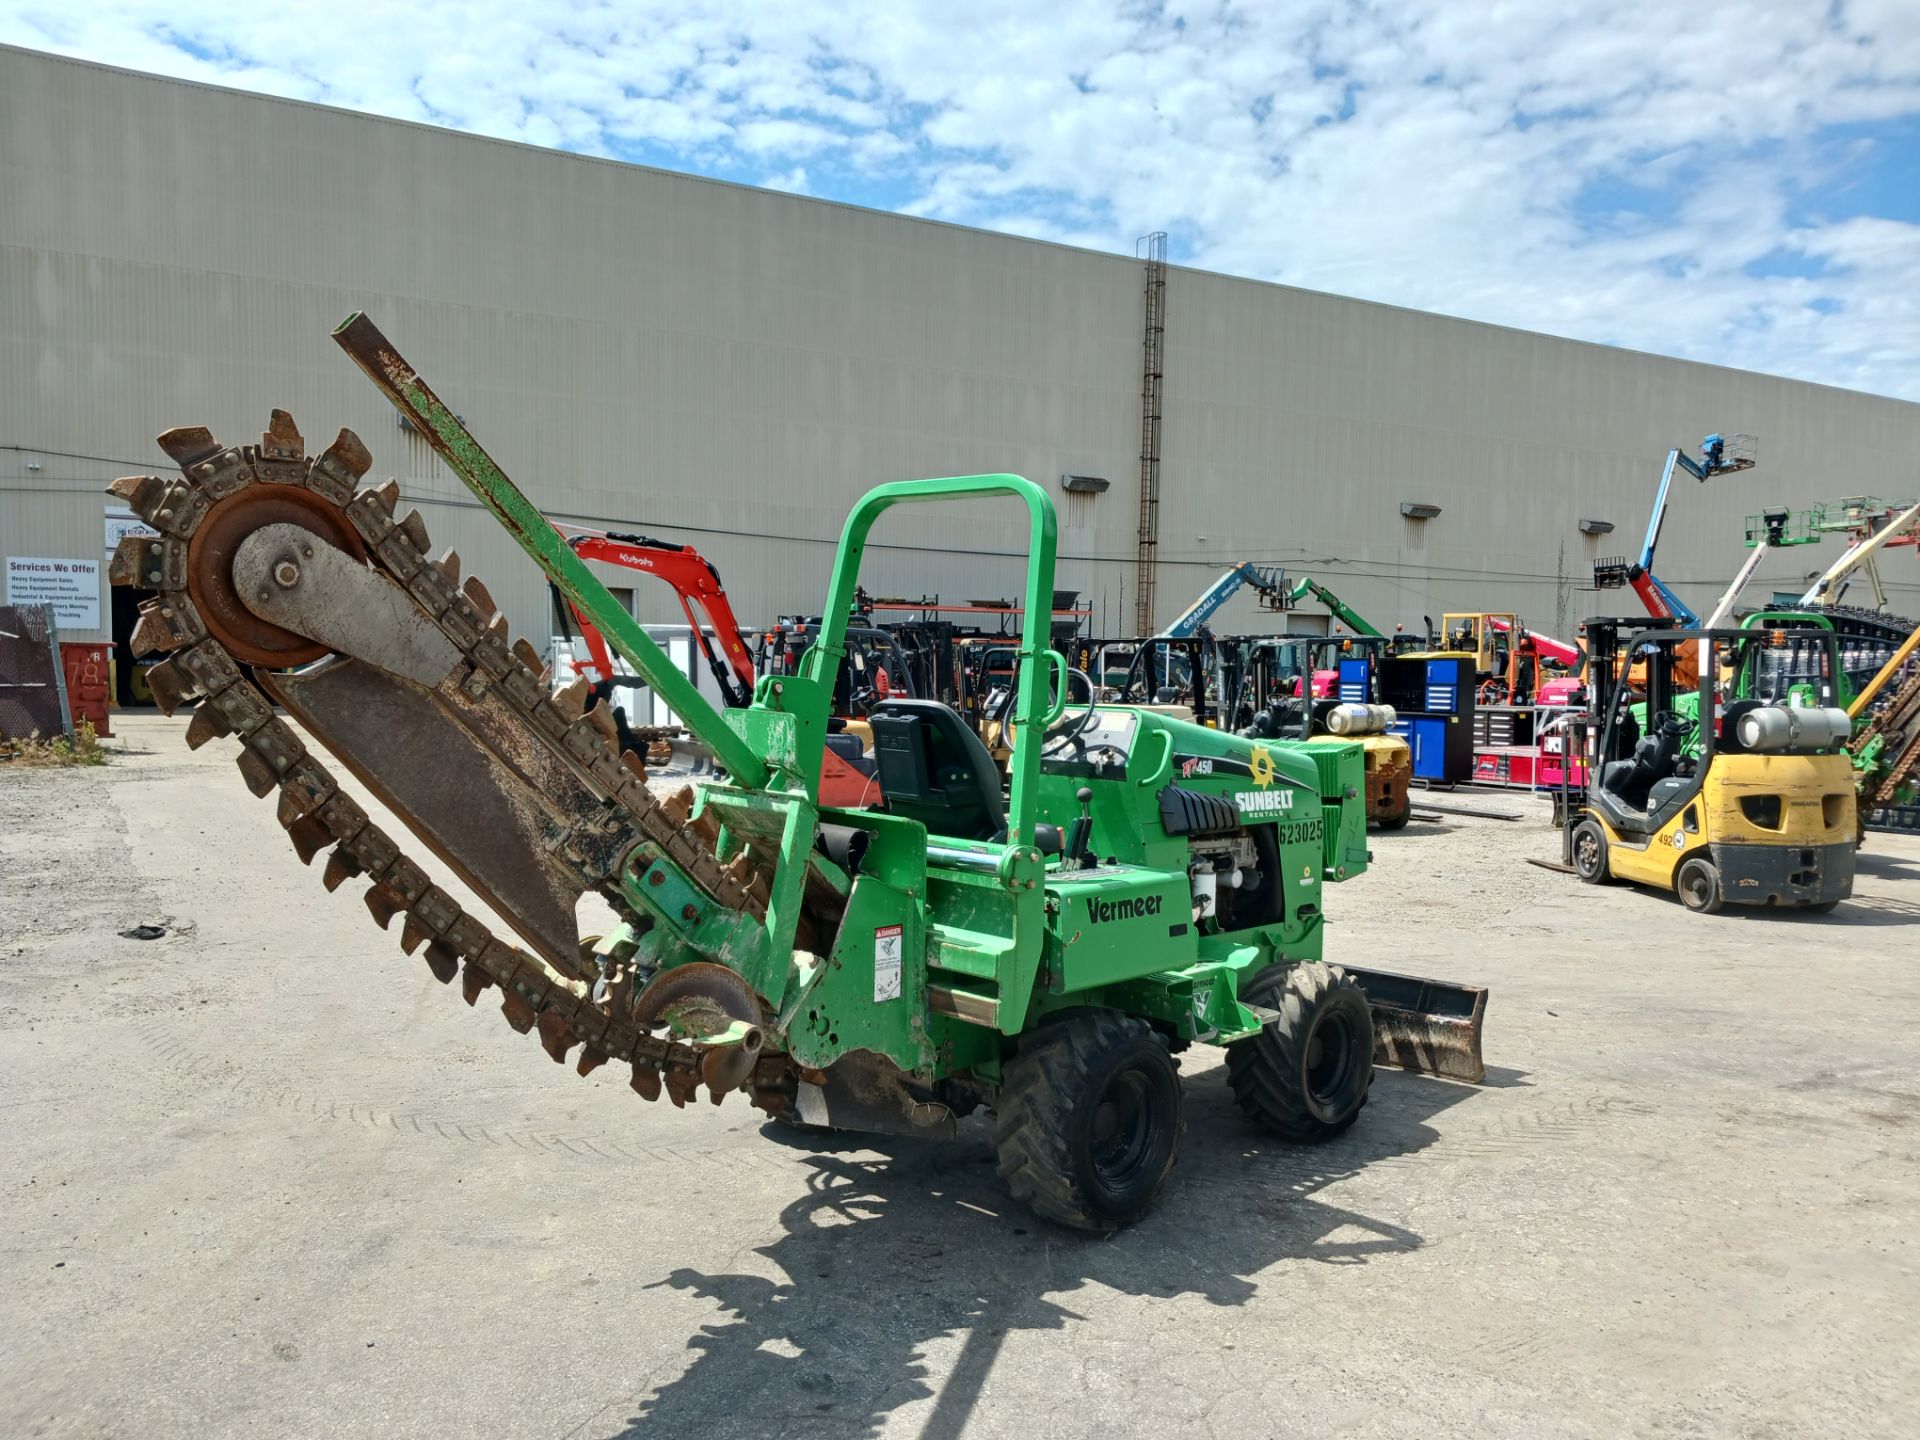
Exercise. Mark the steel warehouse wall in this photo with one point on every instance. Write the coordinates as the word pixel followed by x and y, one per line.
pixel 733 367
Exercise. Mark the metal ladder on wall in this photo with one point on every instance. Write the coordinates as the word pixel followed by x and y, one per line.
pixel 1153 250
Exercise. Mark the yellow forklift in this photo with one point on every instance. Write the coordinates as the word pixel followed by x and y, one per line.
pixel 1747 802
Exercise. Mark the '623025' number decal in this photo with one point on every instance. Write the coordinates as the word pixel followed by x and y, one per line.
pixel 1295 832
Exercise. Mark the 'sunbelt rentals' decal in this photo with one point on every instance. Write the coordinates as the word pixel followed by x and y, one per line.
pixel 1263 802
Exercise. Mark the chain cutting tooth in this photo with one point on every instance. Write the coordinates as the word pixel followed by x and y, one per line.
pixel 383 904
pixel 678 806
pixel 442 961
pixel 153 633
pixel 207 724
pixel 388 494
pixel 646 1080
pixel 449 564
pixel 133 561
pixel 347 459
pixel 480 598
pixel 414 527
pixel 171 687
pixel 282 440
pixel 518 1009
pixel 572 701
pixel 473 981
pixel 188 445
pixel 341 867
pixel 591 1060
pixel 144 494
pixel 556 1035
pixel 310 836
pixel 414 932
pixel 255 770
pixel 602 717
pixel 524 652
pixel 682 1085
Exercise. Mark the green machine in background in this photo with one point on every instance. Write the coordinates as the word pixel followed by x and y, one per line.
pixel 1041 949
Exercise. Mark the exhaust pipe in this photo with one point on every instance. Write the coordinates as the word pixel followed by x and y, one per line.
pixel 1431 1027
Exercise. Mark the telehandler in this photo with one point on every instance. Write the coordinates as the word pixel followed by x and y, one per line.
pixel 1042 952
pixel 1750 802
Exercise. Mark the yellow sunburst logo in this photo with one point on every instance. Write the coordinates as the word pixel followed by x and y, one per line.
pixel 1261 764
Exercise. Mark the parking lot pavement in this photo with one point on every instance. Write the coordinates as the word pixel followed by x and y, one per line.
pixel 265 1177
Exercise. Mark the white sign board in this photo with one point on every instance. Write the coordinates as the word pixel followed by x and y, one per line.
pixel 122 523
pixel 72 587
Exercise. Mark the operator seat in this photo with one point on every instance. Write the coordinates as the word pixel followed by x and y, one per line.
pixel 1654 759
pixel 934 769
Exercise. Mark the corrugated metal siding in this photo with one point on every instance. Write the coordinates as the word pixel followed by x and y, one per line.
pixel 734 367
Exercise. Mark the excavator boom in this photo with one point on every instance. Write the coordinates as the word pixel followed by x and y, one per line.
pixel 703 600
pixel 1343 612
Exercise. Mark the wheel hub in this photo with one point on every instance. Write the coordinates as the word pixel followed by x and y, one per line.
pixel 1122 1129
pixel 210 558
pixel 1329 1053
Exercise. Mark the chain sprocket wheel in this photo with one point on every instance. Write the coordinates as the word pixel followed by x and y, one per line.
pixel 227 493
pixel 246 636
pixel 701 1000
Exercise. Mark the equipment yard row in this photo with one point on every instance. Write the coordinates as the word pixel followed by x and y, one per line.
pixel 263 1179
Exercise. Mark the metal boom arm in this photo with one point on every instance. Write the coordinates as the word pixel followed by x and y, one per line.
pixel 1217 594
pixel 1343 612
pixel 452 441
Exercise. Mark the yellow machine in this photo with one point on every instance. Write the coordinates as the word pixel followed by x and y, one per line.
pixel 1741 796
pixel 1510 662
pixel 1389 773
pixel 1484 637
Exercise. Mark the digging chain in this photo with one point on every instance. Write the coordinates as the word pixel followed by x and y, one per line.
pixel 317 813
pixel 1898 719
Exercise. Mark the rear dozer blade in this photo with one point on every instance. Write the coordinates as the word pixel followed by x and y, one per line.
pixel 689 758
pixel 1429 1026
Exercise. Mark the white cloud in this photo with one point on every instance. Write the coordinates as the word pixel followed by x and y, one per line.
pixel 794 181
pixel 1493 161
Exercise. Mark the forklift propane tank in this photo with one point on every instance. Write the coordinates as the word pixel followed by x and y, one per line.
pixel 1789 727
pixel 1352 720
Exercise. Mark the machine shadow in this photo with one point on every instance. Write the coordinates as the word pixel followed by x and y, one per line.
pixel 1885 867
pixel 1855 910
pixel 901 1248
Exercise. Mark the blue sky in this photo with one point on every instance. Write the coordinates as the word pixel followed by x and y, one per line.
pixel 1727 180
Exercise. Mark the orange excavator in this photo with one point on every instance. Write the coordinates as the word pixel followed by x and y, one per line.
pixel 847 776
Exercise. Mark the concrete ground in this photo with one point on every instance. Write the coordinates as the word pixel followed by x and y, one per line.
pixel 263 1176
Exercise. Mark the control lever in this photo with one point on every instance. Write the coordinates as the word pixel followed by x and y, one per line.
pixel 1080 832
